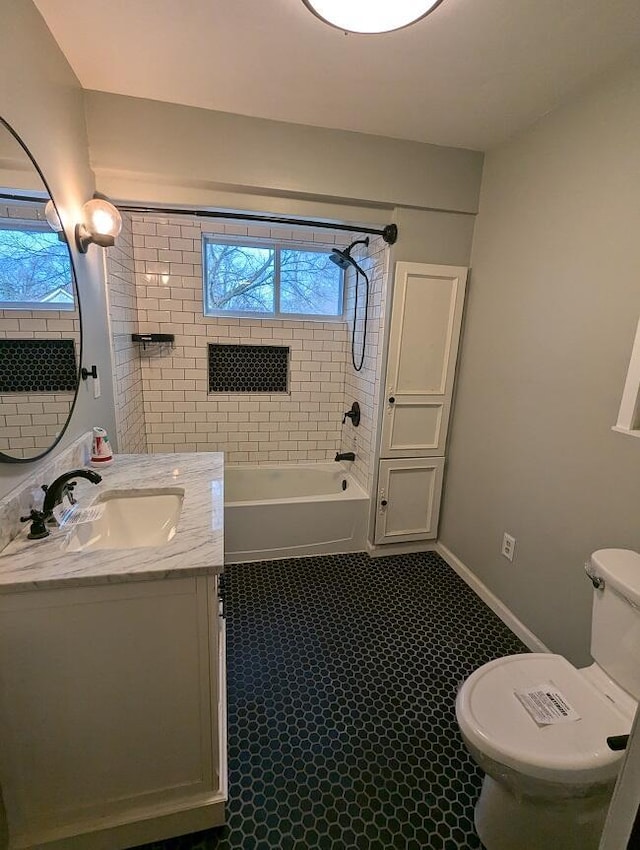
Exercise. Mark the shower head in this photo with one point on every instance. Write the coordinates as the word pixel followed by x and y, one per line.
pixel 343 259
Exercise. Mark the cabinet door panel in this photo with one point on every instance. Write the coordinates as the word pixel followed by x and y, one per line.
pixel 423 346
pixel 116 710
pixel 414 425
pixel 426 304
pixel 408 499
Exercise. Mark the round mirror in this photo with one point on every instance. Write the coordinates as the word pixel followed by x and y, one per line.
pixel 40 331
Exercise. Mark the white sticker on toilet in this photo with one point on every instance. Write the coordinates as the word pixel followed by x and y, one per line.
pixel 546 705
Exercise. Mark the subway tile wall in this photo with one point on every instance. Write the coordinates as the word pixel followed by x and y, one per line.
pixel 123 315
pixel 303 425
pixel 180 415
pixel 30 422
pixel 364 386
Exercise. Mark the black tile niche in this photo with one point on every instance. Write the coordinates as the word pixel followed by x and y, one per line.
pixel 38 365
pixel 248 368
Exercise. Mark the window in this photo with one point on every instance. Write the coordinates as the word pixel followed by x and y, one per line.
pixel 270 279
pixel 35 269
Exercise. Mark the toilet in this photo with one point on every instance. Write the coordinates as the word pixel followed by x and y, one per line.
pixel 548 784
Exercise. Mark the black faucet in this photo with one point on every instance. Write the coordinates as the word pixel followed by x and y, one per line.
pixel 54 493
pixel 345 456
pixel 63 485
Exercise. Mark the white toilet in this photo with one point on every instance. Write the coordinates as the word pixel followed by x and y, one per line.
pixel 549 786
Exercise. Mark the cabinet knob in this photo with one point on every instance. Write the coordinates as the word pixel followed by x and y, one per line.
pixel 384 503
pixel 392 400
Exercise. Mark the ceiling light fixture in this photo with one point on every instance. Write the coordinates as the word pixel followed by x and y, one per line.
pixel 371 16
pixel 101 223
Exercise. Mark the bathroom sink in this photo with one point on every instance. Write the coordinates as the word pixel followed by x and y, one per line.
pixel 128 519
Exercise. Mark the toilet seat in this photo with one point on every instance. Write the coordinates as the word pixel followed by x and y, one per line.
pixel 496 723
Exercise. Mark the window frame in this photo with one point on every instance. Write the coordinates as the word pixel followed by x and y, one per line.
pixel 277 246
pixel 38 226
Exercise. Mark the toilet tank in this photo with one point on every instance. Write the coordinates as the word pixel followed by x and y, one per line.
pixel 615 628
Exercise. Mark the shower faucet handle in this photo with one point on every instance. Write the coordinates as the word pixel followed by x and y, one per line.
pixel 353 414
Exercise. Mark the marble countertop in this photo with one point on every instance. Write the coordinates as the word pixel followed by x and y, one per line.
pixel 196 549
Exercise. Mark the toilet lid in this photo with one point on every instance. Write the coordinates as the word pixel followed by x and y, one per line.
pixel 495 721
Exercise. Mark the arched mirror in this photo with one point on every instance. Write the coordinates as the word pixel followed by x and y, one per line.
pixel 40 330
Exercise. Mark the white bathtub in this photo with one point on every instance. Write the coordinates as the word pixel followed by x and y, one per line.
pixel 291 511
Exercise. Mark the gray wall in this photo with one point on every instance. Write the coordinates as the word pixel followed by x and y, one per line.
pixel 133 137
pixel 42 99
pixel 553 303
pixel 142 150
pixel 428 236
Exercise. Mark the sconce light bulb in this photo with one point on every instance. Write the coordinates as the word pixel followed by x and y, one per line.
pixel 103 222
pixel 101 218
pixel 101 225
pixel 53 219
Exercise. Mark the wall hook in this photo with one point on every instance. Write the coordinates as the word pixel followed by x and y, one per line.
pixel 85 373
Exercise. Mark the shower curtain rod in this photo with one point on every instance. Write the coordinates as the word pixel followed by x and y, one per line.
pixel 388 233
pixel 11 196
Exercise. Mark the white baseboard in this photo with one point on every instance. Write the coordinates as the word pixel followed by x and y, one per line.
pixel 378 551
pixel 489 598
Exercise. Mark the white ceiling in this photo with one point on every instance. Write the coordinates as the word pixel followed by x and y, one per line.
pixel 471 74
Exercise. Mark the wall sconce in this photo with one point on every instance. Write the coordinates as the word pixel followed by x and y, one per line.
pixel 53 220
pixel 51 214
pixel 101 223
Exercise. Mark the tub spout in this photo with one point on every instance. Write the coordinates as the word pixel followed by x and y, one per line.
pixel 345 456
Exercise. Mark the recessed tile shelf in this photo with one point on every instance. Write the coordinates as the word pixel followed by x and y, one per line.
pixel 38 366
pixel 248 368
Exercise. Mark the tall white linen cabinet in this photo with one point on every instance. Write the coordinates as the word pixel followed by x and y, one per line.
pixel 426 319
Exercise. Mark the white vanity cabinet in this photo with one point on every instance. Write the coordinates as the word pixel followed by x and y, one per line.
pixel 112 713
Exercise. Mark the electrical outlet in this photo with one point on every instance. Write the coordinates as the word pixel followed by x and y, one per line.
pixel 508 546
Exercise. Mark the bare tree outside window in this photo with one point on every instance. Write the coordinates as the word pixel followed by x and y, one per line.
pixel 271 280
pixel 239 278
pixel 34 269
pixel 309 283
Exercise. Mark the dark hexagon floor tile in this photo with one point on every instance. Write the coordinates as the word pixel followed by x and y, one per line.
pixel 342 677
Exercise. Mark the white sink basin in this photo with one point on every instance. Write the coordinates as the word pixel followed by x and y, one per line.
pixel 129 519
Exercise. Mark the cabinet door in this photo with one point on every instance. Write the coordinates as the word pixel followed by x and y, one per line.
pixel 423 346
pixel 107 705
pixel 408 499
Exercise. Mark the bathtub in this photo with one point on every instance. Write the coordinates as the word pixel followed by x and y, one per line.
pixel 291 511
